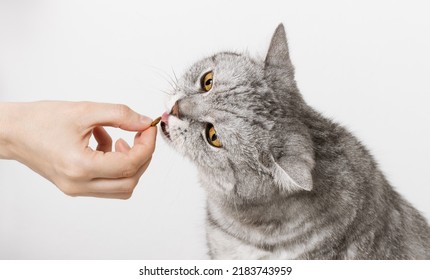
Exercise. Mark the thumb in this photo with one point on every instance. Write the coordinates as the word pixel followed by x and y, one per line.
pixel 116 115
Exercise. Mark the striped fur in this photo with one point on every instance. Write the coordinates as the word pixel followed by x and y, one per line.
pixel 288 183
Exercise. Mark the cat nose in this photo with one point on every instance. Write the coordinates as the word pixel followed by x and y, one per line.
pixel 175 110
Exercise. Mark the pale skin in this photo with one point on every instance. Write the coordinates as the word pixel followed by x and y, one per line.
pixel 52 138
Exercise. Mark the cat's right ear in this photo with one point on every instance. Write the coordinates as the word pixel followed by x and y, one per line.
pixel 293 174
pixel 290 173
pixel 278 55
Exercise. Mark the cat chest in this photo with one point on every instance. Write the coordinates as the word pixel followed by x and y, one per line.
pixel 229 239
pixel 224 245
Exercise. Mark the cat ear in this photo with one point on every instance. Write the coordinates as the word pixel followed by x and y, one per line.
pixel 290 173
pixel 278 55
pixel 293 175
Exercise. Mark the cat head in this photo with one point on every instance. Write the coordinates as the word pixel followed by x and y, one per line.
pixel 239 120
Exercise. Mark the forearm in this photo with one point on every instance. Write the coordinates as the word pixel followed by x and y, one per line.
pixel 8 118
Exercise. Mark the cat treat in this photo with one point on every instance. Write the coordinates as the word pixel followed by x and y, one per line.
pixel 156 121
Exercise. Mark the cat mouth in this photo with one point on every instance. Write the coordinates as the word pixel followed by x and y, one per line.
pixel 164 125
pixel 165 119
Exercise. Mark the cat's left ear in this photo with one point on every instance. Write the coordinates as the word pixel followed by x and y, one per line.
pixel 278 55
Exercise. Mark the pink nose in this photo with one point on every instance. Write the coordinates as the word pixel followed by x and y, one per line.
pixel 165 117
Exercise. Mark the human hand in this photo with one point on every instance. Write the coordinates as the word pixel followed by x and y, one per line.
pixel 52 138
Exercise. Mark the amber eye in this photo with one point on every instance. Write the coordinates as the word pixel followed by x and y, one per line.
pixel 212 137
pixel 207 81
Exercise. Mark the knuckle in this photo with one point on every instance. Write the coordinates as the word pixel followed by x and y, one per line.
pixel 76 167
pixel 75 170
pixel 69 189
pixel 128 188
pixel 83 107
pixel 129 170
pixel 83 104
pixel 125 196
pixel 123 111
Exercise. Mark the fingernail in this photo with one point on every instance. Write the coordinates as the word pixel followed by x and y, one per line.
pixel 145 120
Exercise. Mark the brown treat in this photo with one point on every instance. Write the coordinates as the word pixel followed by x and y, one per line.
pixel 156 121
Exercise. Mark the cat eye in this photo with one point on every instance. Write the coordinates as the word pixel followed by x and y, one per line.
pixel 207 81
pixel 212 137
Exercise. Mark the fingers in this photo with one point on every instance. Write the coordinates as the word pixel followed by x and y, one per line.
pixel 122 146
pixel 104 173
pixel 127 161
pixel 103 139
pixel 117 186
pixel 110 188
pixel 108 195
pixel 145 141
pixel 115 115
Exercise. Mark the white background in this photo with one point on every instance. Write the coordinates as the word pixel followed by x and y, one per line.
pixel 366 65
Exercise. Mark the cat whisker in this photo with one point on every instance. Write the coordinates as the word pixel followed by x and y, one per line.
pixel 166 77
pixel 166 92
pixel 173 83
pixel 176 78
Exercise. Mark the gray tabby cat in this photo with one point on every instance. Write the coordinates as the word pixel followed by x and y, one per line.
pixel 282 181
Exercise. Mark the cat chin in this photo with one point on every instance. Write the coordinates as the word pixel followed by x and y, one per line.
pixel 172 129
pixel 169 125
pixel 215 183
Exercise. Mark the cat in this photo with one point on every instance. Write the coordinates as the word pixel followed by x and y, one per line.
pixel 282 181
